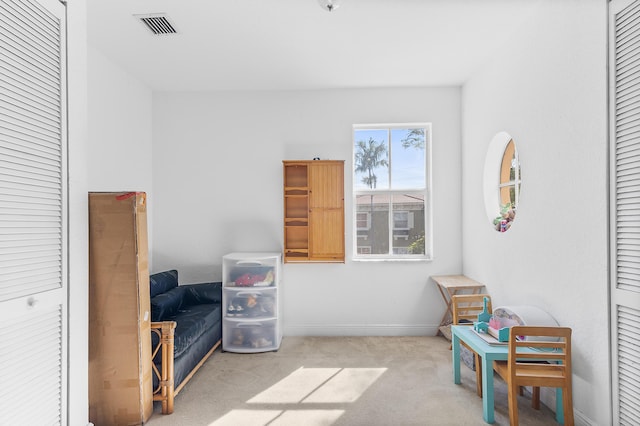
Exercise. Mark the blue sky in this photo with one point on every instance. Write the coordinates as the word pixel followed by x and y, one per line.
pixel 407 164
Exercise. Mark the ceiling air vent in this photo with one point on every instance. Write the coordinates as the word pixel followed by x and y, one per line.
pixel 158 23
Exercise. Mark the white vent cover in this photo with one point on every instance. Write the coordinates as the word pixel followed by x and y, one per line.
pixel 157 23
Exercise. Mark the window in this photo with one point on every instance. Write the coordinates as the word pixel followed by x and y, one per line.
pixel 391 179
pixel 363 221
pixel 510 176
pixel 502 181
pixel 508 187
pixel 364 249
pixel 401 220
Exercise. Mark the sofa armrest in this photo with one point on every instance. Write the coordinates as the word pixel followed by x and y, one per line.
pixel 165 391
pixel 198 294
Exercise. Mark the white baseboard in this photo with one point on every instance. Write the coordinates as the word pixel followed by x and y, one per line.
pixel 360 330
pixel 581 420
pixel 548 398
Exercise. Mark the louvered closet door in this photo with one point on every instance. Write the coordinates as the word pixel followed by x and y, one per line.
pixel 33 289
pixel 625 209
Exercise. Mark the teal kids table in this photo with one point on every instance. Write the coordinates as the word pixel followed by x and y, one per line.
pixel 489 353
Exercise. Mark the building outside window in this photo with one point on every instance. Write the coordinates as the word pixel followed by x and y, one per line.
pixel 391 187
pixel 364 249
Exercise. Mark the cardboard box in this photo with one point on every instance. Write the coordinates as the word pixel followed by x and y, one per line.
pixel 120 381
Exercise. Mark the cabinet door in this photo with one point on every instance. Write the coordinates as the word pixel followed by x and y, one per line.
pixel 326 211
pixel 327 235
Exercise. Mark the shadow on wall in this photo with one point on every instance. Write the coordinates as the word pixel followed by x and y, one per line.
pixel 250 236
pixel 202 260
pixel 190 270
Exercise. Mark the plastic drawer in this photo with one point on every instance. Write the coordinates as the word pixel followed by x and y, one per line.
pixel 250 336
pixel 250 274
pixel 251 303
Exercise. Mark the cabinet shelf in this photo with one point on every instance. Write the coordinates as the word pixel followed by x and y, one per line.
pixel 296 221
pixel 297 251
pixel 293 255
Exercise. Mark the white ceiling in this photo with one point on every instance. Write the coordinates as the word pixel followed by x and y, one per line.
pixel 294 44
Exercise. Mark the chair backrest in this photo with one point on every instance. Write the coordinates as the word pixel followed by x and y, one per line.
pixel 466 307
pixel 537 343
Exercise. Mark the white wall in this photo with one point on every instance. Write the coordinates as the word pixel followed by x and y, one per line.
pixel 217 178
pixel 120 133
pixel 119 128
pixel 547 88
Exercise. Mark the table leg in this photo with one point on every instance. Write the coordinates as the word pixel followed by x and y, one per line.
pixel 559 406
pixel 455 346
pixel 487 390
pixel 447 301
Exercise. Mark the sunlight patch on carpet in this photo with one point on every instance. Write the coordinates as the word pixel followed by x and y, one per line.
pixel 247 418
pixel 307 418
pixel 308 386
pixel 296 386
pixel 346 386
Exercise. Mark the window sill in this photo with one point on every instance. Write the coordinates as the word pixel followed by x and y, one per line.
pixel 392 260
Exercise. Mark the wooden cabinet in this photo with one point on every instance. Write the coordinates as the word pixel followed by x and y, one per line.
pixel 314 211
pixel 120 380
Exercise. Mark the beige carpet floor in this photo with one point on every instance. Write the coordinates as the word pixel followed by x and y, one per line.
pixel 339 381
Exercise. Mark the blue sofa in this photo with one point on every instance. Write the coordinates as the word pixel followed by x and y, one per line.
pixel 186 328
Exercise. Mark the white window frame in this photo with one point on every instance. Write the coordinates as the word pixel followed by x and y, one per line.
pixel 425 192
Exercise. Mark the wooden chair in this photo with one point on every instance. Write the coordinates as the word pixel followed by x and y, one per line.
pixel 466 308
pixel 551 366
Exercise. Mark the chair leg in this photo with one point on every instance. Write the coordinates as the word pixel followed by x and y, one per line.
pixel 478 362
pixel 513 404
pixel 535 397
pixel 567 402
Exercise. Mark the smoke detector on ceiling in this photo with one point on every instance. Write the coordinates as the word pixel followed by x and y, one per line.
pixel 157 23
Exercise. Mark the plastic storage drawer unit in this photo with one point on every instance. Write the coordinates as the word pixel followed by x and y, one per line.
pixel 251 299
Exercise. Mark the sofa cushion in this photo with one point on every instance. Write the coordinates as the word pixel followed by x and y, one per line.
pixel 192 322
pixel 197 294
pixel 166 305
pixel 162 282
